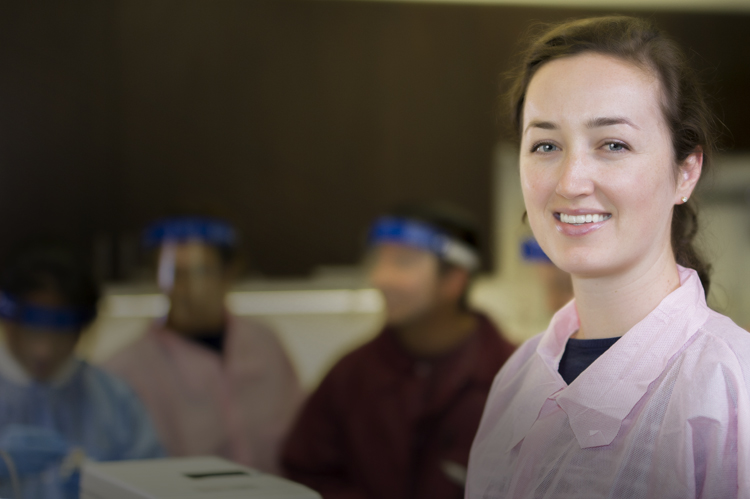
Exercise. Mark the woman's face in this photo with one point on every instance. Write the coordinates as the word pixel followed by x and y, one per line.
pixel 597 165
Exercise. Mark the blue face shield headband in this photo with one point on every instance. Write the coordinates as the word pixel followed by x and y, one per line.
pixel 423 236
pixel 63 319
pixel 179 230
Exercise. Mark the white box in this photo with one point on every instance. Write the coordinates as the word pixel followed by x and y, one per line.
pixel 185 478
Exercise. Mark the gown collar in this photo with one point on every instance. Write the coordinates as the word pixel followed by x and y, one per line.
pixel 598 400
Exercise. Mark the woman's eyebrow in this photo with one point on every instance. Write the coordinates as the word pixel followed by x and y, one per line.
pixel 610 121
pixel 592 123
pixel 544 125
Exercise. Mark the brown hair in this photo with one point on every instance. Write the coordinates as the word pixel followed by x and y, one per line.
pixel 691 123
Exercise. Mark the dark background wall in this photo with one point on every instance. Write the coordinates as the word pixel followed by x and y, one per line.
pixel 301 119
pixel 59 136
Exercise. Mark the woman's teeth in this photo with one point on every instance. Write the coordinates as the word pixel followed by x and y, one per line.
pixel 584 219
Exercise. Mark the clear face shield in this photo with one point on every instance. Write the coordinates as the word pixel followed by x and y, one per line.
pixel 191 270
pixel 425 237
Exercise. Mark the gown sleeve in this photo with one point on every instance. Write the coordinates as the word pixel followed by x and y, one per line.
pixel 135 436
pixel 145 443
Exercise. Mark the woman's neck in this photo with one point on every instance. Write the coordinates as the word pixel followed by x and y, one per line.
pixel 610 306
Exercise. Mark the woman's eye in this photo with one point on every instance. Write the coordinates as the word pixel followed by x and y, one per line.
pixel 544 148
pixel 616 146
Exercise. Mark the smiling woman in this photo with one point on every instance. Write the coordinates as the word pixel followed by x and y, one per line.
pixel 602 150
pixel 637 388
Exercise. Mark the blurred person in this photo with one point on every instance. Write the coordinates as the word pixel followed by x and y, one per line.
pixel 395 418
pixel 215 384
pixel 54 406
pixel 558 288
pixel 637 389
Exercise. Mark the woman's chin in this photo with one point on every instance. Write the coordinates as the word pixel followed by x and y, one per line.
pixel 584 266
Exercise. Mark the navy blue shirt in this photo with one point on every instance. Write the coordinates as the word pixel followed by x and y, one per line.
pixel 580 354
pixel 213 340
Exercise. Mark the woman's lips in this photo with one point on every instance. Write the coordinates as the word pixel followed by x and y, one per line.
pixel 580 224
pixel 582 219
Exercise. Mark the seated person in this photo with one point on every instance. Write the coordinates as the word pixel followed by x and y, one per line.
pixel 51 403
pixel 395 418
pixel 214 384
pixel 558 287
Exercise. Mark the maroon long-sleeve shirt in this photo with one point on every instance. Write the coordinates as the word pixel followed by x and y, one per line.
pixel 386 425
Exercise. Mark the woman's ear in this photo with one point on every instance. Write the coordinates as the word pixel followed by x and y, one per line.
pixel 690 173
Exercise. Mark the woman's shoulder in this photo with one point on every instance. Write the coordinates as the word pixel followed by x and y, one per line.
pixel 720 333
pixel 718 354
pixel 518 362
pixel 253 331
pixel 526 350
pixel 132 356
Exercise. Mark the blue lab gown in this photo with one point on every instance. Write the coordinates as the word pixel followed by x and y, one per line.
pixel 90 408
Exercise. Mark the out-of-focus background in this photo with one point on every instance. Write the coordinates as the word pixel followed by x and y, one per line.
pixel 301 121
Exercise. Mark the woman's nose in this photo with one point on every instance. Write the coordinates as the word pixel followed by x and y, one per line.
pixel 575 178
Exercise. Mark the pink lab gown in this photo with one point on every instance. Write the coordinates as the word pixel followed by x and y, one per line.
pixel 238 407
pixel 664 413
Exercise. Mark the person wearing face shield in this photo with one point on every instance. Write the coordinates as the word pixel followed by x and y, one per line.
pixel 396 417
pixel 215 384
pixel 558 288
pixel 55 409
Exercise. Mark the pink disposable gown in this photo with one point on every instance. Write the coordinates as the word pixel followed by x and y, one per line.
pixel 238 407
pixel 664 413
